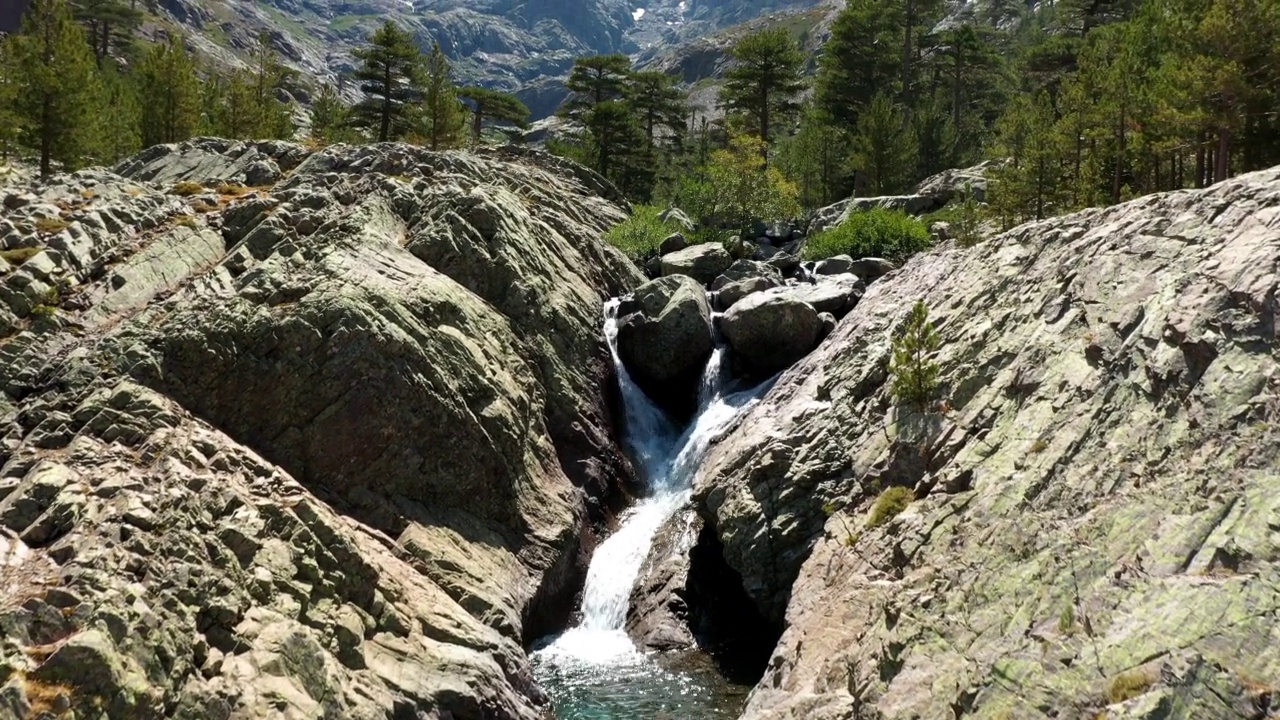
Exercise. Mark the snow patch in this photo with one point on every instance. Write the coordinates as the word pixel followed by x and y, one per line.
pixel 637 14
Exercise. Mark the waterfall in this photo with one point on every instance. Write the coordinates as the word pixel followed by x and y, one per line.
pixel 667 459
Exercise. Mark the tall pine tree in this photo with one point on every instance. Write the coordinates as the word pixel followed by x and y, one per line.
pixel 57 89
pixel 658 104
pixel 883 147
pixel 765 81
pixel 110 25
pixel 489 107
pixel 391 78
pixel 442 116
pixel 171 91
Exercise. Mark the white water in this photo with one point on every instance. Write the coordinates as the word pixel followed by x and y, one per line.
pixel 667 460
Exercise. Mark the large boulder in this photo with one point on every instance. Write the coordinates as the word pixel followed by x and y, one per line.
pixel 664 341
pixel 334 447
pixel 835 294
pixel 703 263
pixel 768 332
pixel 1092 500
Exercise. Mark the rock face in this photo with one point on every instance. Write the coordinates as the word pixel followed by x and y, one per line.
pixel 329 448
pixel 664 340
pixel 1096 491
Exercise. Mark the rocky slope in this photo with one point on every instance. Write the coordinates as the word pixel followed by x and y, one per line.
pixel 327 446
pixel 1097 489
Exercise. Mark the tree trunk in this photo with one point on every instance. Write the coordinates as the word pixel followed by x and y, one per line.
pixel 906 57
pixel 477 124
pixel 1222 158
pixel 1200 159
pixel 384 131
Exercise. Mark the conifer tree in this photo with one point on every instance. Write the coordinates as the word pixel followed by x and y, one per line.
pixel 57 88
pixel 490 107
pixel 858 61
pixel 442 115
pixel 331 117
pixel 170 90
pixel 122 117
pixel 915 373
pixel 883 147
pixel 597 79
pixel 391 78
pixel 765 81
pixel 270 117
pixel 658 104
pixel 10 119
pixel 816 159
pixel 110 25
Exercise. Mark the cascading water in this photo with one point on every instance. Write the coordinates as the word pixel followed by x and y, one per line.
pixel 594 671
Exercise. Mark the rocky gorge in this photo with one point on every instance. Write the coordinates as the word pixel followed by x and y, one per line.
pixel 297 433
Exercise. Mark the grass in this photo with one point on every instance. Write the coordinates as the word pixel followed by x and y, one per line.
pixel 231 189
pixel 889 505
pixel 187 188
pixel 187 221
pixel 639 236
pixel 51 226
pixel 17 256
pixel 43 697
pixel 889 234
pixel 1128 685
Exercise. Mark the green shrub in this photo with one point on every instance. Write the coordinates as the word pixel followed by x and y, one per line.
pixel 889 234
pixel 639 236
pixel 889 505
pixel 915 374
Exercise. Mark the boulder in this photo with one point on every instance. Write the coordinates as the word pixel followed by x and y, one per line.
pixel 834 265
pixel 951 184
pixel 679 217
pixel 871 269
pixel 664 341
pixel 703 263
pixel 743 270
pixel 674 242
pixel 768 332
pixel 728 295
pixel 835 294
pixel 785 262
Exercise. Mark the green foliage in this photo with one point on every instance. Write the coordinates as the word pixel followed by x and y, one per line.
pixel 56 89
pixel 492 107
pixel 120 133
pixel 167 80
pixel 659 106
pixel 331 119
pixel 765 80
pixel 890 504
pixel 734 189
pixel 639 236
pixel 391 77
pixel 889 234
pixel 816 159
pixel 442 116
pixel 598 79
pixel 1067 621
pixel 1128 685
pixel 244 104
pixel 109 24
pixel 883 149
pixel 967 222
pixel 915 374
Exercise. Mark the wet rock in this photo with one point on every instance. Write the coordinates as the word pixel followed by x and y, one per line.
pixel 664 340
pixel 674 242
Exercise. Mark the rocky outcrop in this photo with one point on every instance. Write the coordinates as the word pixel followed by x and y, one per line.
pixel 768 332
pixel 703 263
pixel 1094 490
pixel 664 341
pixel 329 447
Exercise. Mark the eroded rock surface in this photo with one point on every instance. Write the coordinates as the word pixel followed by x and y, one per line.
pixel 329 447
pixel 1097 487
pixel 665 339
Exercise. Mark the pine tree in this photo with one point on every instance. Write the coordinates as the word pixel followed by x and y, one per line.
pixel 816 159
pixel 658 104
pixel 110 25
pixel 10 82
pixel 491 106
pixel 331 117
pixel 614 134
pixel 57 88
pixel 442 116
pixel 170 90
pixel 391 78
pixel 915 373
pixel 597 79
pixel 269 116
pixel 858 60
pixel 765 81
pixel 1030 184
pixel 122 119
pixel 883 147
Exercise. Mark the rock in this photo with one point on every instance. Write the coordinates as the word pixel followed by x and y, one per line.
pixel 674 242
pixel 1060 483
pixel 768 332
pixel 785 262
pixel 828 321
pixel 664 340
pixel 951 184
pixel 871 269
pixel 834 265
pixel 244 474
pixel 746 269
pixel 730 294
pixel 835 294
pixel 940 232
pixel 701 262
pixel 679 217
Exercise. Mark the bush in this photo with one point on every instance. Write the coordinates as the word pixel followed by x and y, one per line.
pixel 889 505
pixel 639 236
pixel 915 374
pixel 187 188
pixel 1127 686
pixel 889 234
